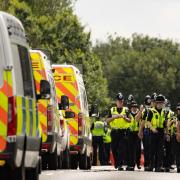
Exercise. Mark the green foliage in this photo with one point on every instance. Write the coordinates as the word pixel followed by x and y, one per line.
pixel 52 25
pixel 141 66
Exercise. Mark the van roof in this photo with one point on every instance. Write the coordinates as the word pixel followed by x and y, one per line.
pixel 67 66
pixel 13 26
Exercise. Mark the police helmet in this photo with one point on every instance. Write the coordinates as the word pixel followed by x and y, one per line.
pixel 178 106
pixel 130 97
pixel 147 100
pixel 153 96
pixel 160 98
pixel 120 96
pixel 134 104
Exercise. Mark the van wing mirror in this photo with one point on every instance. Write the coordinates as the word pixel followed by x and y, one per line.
pixel 45 90
pixel 64 103
pixel 69 114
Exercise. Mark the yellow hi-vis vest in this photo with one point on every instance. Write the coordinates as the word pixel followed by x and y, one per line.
pixel 158 119
pixel 107 136
pixel 98 128
pixel 146 125
pixel 134 124
pixel 119 123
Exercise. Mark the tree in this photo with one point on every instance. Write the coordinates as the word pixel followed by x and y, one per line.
pixel 52 25
pixel 140 66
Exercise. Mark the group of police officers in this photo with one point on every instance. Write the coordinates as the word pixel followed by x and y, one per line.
pixel 153 124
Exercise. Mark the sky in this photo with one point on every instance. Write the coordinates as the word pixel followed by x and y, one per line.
pixel 156 18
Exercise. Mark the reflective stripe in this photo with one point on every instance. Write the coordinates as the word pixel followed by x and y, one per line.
pixel 39 74
pixel 5 91
pixel 69 89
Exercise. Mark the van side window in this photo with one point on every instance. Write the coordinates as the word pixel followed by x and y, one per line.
pixel 26 71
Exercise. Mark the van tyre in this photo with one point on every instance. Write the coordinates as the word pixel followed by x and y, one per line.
pixel 74 161
pixel 18 173
pixel 66 159
pixel 83 161
pixel 60 161
pixel 53 161
pixel 32 174
pixel 89 162
pixel 44 161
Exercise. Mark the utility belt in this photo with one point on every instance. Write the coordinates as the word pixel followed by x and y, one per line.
pixel 121 131
pixel 160 131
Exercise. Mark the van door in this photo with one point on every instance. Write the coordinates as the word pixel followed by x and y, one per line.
pixel 3 100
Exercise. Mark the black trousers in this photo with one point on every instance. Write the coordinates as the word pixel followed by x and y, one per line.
pixel 135 150
pixel 176 150
pixel 107 149
pixel 97 143
pixel 120 147
pixel 146 145
pixel 157 149
pixel 167 153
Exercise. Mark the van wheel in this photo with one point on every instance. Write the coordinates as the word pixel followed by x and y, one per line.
pixel 53 161
pixel 60 161
pixel 44 161
pixel 89 162
pixel 66 159
pixel 40 165
pixel 74 161
pixel 18 173
pixel 4 172
pixel 32 174
pixel 83 161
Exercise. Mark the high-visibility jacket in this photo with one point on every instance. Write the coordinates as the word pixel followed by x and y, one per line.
pixel 107 136
pixel 119 123
pixel 146 125
pixel 134 124
pixel 158 119
pixel 98 128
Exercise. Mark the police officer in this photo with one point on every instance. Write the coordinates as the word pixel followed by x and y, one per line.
pixel 144 130
pixel 135 150
pixel 157 120
pixel 119 120
pixel 130 100
pixel 107 145
pixel 97 129
pixel 174 124
pixel 168 155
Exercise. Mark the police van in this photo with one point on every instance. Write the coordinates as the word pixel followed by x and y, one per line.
pixel 20 138
pixel 55 137
pixel 69 82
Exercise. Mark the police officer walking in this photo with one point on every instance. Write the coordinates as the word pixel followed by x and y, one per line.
pixel 144 129
pixel 107 145
pixel 135 150
pixel 174 124
pixel 119 120
pixel 156 118
pixel 97 129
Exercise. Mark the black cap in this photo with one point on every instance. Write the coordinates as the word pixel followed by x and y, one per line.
pixel 119 96
pixel 134 104
pixel 160 98
pixel 147 100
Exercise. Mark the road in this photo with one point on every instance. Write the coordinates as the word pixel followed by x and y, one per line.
pixel 106 173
